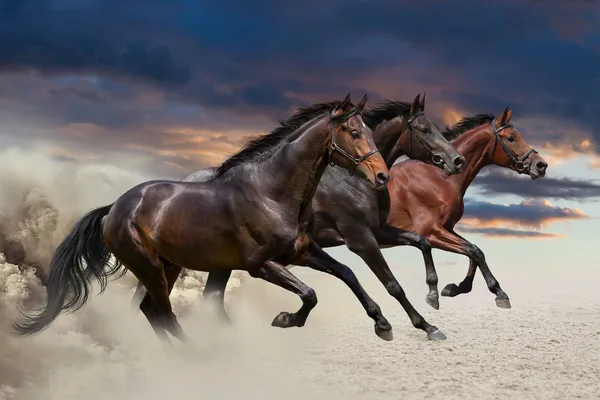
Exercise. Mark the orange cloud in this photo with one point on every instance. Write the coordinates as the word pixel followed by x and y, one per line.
pixel 507 233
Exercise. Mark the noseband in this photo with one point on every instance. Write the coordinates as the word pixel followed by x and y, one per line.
pixel 517 162
pixel 335 147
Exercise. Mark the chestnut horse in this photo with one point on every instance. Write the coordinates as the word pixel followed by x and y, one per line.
pixel 347 211
pixel 483 140
pixel 254 215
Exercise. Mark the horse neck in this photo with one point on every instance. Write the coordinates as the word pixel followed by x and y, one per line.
pixel 296 167
pixel 474 145
pixel 387 136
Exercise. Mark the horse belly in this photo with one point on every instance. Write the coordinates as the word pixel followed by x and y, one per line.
pixel 212 253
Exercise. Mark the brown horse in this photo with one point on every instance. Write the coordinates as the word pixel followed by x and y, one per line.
pixel 482 140
pixel 254 215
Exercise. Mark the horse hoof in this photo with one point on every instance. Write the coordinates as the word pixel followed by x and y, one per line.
pixel 436 335
pixel 434 302
pixel 283 320
pixel 503 303
pixel 450 290
pixel 388 336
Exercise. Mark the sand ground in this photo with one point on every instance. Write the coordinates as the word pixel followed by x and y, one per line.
pixel 546 347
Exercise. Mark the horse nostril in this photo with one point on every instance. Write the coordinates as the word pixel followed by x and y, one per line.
pixel 459 161
pixel 382 178
pixel 437 159
pixel 541 165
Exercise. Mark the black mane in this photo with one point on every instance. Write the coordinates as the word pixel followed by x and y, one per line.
pixel 466 124
pixel 260 146
pixel 385 111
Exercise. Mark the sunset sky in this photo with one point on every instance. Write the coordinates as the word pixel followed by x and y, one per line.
pixel 167 87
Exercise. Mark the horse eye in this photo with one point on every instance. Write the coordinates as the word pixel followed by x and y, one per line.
pixel 511 139
pixel 354 134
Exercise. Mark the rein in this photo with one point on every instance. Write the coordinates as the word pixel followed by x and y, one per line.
pixel 335 147
pixel 517 162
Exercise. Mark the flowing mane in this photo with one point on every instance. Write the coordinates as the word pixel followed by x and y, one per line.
pixel 466 124
pixel 261 146
pixel 385 111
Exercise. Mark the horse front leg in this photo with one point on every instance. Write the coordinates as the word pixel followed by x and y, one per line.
pixel 389 235
pixel 366 247
pixel 445 240
pixel 316 258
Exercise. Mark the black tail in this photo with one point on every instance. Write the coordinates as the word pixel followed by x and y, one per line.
pixel 69 285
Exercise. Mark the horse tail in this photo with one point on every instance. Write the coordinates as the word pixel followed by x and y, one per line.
pixel 69 280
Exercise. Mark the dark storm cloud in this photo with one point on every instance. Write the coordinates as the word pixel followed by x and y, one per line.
pixel 500 182
pixel 236 64
pixel 71 37
pixel 529 213
pixel 255 47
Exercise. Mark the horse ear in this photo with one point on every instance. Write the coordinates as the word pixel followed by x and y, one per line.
pixel 503 116
pixel 423 102
pixel 508 116
pixel 362 103
pixel 346 102
pixel 415 104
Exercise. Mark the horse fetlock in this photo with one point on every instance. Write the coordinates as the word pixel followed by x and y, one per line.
pixel 310 298
pixel 431 280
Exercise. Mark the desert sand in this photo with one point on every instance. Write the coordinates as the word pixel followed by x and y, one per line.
pixel 545 347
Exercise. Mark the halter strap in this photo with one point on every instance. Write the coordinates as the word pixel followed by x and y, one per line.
pixel 517 162
pixel 410 133
pixel 335 147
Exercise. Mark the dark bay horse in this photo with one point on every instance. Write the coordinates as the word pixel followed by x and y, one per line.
pixel 347 211
pixel 253 215
pixel 483 140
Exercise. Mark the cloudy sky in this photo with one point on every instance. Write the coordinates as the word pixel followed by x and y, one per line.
pixel 167 87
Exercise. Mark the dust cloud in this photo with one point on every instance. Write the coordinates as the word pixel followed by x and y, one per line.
pixel 105 350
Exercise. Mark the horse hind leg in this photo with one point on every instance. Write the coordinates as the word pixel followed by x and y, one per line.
pixel 151 271
pixel 215 290
pixel 277 274
pixel 156 305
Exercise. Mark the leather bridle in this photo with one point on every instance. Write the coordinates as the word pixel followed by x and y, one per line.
pixel 517 162
pixel 335 147
pixel 436 158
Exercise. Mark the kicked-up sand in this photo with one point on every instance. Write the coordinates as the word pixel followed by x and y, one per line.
pixel 546 347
